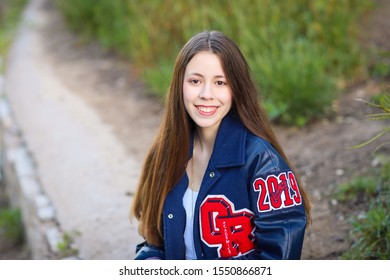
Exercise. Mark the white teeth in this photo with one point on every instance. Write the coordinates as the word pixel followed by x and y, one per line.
pixel 206 109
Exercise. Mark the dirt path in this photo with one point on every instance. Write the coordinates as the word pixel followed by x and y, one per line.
pixel 319 151
pixel 106 82
pixel 83 168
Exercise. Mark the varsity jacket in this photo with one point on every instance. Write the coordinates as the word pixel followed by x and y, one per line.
pixel 249 204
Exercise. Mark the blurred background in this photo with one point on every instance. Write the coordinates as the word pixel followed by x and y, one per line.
pixel 323 69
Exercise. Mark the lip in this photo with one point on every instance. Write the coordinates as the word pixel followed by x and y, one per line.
pixel 206 110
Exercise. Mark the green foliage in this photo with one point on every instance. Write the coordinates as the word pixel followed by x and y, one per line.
pixel 357 187
pixel 298 50
pixel 371 234
pixel 368 187
pixel 65 246
pixel 9 15
pixel 383 103
pixel 294 76
pixel 11 226
pixel 381 65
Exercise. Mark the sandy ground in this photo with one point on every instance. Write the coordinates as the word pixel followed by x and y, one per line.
pixel 110 90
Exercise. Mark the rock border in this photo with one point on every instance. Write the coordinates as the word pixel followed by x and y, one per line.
pixel 20 178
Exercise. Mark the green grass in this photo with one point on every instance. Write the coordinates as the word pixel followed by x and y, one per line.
pixel 382 102
pixel 66 245
pixel 11 227
pixel 10 11
pixel 358 187
pixel 370 233
pixel 299 50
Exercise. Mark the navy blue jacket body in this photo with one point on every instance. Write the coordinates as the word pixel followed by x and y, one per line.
pixel 249 205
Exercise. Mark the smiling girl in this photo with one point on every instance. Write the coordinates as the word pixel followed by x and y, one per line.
pixel 216 183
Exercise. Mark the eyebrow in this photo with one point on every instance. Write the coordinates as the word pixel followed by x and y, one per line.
pixel 200 75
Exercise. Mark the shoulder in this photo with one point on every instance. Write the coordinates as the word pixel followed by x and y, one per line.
pixel 259 153
pixel 271 178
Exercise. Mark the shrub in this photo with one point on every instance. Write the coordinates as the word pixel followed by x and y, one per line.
pixel 11 227
pixel 359 187
pixel 371 234
pixel 9 16
pixel 383 103
pixel 298 50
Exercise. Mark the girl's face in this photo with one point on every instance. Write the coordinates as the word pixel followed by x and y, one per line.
pixel 207 95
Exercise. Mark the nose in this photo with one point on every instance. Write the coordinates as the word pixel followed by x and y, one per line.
pixel 206 92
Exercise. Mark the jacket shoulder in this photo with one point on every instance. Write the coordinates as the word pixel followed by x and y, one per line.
pixel 261 154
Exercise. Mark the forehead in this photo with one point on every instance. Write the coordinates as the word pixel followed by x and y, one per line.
pixel 205 63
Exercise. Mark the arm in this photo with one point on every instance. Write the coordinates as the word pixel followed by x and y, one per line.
pixel 279 214
pixel 148 252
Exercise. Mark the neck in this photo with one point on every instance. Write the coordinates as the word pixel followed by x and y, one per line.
pixel 205 138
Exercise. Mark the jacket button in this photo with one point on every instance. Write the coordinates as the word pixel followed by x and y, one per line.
pixel 212 174
pixel 170 216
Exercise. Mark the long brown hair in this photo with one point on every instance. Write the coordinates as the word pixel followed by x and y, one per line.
pixel 168 156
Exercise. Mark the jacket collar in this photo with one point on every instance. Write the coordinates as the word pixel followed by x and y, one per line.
pixel 229 145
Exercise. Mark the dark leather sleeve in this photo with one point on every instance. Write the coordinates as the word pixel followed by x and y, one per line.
pixel 147 252
pixel 279 227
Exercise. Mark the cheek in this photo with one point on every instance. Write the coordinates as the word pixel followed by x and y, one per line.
pixel 187 97
pixel 189 93
pixel 185 91
pixel 228 98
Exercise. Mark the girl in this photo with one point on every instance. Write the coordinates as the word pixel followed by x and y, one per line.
pixel 216 183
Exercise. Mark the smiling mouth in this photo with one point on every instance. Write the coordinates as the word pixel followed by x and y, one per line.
pixel 206 110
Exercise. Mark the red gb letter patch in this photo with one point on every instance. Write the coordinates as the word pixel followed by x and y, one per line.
pixel 223 227
pixel 277 191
